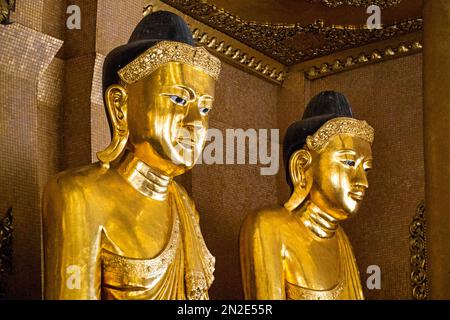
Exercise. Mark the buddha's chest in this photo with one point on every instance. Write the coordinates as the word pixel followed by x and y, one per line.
pixel 313 264
pixel 138 231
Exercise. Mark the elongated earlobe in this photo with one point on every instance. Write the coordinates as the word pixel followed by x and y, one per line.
pixel 298 165
pixel 116 104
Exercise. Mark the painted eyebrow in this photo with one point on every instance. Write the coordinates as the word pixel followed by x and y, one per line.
pixel 353 153
pixel 190 93
pixel 207 97
pixel 344 152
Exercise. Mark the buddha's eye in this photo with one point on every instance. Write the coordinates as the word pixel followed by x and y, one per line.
pixel 178 100
pixel 350 163
pixel 204 111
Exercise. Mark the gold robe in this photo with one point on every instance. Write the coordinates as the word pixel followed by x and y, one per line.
pixel 82 262
pixel 275 245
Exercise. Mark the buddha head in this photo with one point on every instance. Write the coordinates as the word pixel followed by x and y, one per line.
pixel 327 155
pixel 158 91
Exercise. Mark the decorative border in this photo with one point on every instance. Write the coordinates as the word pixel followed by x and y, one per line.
pixel 6 7
pixel 418 249
pixel 238 55
pixel 359 3
pixel 353 127
pixel 170 51
pixel 402 39
pixel 275 39
pixel 315 69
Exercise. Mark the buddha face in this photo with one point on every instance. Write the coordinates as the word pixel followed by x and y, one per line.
pixel 339 175
pixel 168 116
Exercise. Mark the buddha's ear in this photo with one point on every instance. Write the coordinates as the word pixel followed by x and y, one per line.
pixel 301 177
pixel 116 98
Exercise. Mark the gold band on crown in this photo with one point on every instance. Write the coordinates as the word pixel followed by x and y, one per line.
pixel 169 51
pixel 350 126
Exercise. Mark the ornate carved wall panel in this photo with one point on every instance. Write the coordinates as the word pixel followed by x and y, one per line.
pixel 6 237
pixel 271 49
pixel 291 43
pixel 336 3
pixel 6 6
pixel 418 254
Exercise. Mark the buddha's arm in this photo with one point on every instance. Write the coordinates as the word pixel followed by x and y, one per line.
pixel 71 244
pixel 261 259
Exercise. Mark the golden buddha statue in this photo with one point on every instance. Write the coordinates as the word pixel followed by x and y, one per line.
pixel 121 228
pixel 299 251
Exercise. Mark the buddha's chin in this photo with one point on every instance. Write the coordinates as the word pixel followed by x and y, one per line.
pixel 347 211
pixel 185 161
pixel 351 211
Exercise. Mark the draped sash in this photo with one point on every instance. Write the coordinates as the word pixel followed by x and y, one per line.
pixel 183 270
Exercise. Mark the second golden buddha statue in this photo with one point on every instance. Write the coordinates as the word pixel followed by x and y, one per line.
pixel 122 228
pixel 299 251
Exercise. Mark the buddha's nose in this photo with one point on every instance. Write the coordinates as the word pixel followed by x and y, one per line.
pixel 361 178
pixel 193 116
pixel 193 120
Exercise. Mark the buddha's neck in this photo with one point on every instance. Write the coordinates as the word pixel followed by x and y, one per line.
pixel 317 221
pixel 143 178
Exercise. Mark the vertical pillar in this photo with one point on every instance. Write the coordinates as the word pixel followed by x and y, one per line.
pixel 105 24
pixel 24 55
pixel 436 65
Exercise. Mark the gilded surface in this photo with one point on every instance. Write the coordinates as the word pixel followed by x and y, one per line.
pixel 300 251
pixel 353 127
pixel 168 51
pixel 122 228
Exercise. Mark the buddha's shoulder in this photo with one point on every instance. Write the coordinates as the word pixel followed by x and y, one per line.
pixel 269 218
pixel 69 196
pixel 77 179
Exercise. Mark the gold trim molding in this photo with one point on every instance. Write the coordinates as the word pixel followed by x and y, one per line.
pixel 359 57
pixel 290 44
pixel 417 245
pixel 227 48
pixel 359 3
pixel 268 50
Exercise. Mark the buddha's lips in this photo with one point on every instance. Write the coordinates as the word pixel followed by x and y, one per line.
pixel 356 195
pixel 187 142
